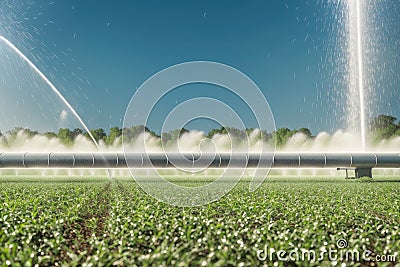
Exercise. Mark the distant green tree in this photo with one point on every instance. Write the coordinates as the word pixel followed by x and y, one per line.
pixel 383 121
pixel 115 133
pixel 213 132
pixel 98 134
pixel 384 127
pixel 385 133
pixel 76 132
pixel 12 135
pixel 132 133
pixel 26 131
pixel 172 136
pixel 282 135
pixel 249 130
pixel 14 132
pixel 65 135
pixel 235 134
pixel 50 135
pixel 262 135
pixel 266 136
pixel 305 131
pixel 31 133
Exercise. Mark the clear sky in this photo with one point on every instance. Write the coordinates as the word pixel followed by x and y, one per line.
pixel 98 52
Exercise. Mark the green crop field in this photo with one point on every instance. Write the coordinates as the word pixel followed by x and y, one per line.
pixel 96 222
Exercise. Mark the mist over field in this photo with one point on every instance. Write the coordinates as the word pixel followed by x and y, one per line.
pixel 195 142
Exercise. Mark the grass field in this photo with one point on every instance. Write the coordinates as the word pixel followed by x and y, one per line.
pixel 95 221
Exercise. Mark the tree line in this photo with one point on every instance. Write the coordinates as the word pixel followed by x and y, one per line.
pixel 382 127
pixel 68 136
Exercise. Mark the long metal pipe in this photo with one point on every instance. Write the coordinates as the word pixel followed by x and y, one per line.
pixel 13 160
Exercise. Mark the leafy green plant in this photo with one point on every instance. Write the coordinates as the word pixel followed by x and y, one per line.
pixel 94 221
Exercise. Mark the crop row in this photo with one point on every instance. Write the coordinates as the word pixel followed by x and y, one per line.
pixel 100 222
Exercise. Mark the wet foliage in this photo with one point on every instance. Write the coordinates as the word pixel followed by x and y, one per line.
pixel 101 222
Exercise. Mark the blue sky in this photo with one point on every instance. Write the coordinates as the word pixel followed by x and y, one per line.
pixel 98 52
